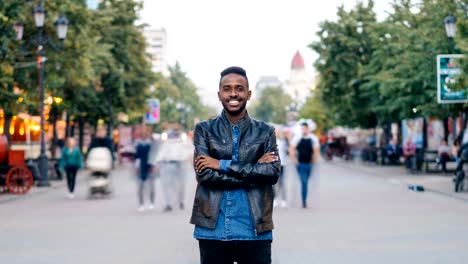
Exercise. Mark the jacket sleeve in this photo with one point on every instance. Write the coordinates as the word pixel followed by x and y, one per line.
pixel 208 177
pixel 259 173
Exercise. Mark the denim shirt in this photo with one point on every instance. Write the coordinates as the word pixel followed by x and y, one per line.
pixel 234 220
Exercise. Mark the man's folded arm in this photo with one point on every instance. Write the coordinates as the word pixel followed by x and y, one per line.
pixel 258 173
pixel 209 177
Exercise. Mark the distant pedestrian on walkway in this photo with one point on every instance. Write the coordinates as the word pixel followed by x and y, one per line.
pixel 409 152
pixel 393 152
pixel 443 155
pixel 171 158
pixel 102 140
pixel 304 152
pixel 280 187
pixel 70 162
pixel 236 165
pixel 144 171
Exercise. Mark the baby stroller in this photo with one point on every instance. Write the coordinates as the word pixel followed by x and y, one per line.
pixel 99 163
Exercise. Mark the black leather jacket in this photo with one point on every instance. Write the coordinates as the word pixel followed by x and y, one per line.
pixel 214 138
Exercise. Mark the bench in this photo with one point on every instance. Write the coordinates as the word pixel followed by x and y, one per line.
pixel 431 164
pixel 382 158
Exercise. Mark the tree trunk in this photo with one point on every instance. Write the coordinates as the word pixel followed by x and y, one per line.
pixel 400 132
pixel 72 129
pixel 81 132
pixel 424 146
pixel 446 128
pixel 53 146
pixel 6 127
pixel 67 126
pixel 388 132
pixel 462 130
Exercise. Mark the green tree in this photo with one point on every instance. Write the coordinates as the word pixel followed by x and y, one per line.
pixel 10 11
pixel 179 99
pixel 404 68
pixel 344 49
pixel 378 72
pixel 315 109
pixel 271 105
pixel 125 75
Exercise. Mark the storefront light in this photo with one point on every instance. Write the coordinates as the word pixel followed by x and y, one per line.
pixel 21 130
pixel 58 100
pixel 50 100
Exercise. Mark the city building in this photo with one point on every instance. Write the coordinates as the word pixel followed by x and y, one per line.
pixel 264 82
pixel 156 39
pixel 301 82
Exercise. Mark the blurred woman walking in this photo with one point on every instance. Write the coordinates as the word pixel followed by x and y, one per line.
pixel 71 161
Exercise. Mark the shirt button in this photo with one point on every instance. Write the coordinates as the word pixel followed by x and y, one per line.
pixel 229 202
pixel 227 219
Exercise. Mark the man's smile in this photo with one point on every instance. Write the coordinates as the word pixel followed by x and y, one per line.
pixel 234 102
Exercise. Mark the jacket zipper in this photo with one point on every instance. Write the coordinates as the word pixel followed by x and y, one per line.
pixel 252 216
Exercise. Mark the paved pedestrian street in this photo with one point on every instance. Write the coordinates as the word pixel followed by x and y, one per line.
pixel 357 214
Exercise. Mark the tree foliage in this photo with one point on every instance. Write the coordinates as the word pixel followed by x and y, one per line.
pixel 314 109
pixel 180 102
pixel 101 64
pixel 375 72
pixel 271 105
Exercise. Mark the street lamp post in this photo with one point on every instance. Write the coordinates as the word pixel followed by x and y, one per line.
pixel 450 23
pixel 450 26
pixel 62 26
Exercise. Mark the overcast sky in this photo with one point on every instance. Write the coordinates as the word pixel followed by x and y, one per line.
pixel 206 36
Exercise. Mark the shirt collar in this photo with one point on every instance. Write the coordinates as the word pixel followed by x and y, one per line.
pixel 242 124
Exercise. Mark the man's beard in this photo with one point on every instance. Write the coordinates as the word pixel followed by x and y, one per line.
pixel 236 112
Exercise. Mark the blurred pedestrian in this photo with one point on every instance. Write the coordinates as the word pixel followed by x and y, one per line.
pixel 172 156
pixel 323 143
pixel 409 152
pixel 236 165
pixel 70 162
pixel 393 152
pixel 280 187
pixel 443 155
pixel 101 140
pixel 304 152
pixel 143 171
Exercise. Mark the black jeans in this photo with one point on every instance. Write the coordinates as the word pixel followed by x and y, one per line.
pixel 71 177
pixel 242 252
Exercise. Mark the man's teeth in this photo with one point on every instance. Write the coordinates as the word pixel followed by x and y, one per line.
pixel 234 103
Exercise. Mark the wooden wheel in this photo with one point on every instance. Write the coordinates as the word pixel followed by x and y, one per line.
pixel 19 180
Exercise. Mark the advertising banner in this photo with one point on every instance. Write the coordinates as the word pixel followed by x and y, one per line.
pixel 448 68
pixel 152 111
pixel 413 128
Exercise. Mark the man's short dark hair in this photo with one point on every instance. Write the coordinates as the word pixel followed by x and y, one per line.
pixel 234 69
pixel 304 124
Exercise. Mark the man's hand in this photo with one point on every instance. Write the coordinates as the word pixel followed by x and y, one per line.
pixel 268 158
pixel 205 162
